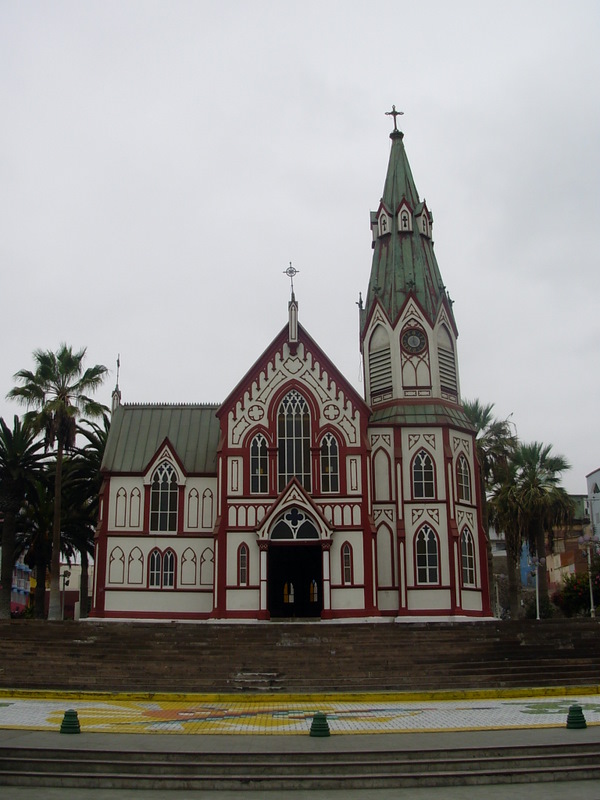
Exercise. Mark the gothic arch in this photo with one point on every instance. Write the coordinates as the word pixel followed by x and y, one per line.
pixel 382 477
pixel 427 557
pixel 116 566
pixel 423 478
pixel 135 567
pixel 385 557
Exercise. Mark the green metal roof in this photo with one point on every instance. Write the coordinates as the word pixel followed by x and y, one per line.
pixel 137 431
pixel 403 262
pixel 402 413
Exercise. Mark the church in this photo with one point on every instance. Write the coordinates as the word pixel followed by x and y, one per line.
pixel 297 497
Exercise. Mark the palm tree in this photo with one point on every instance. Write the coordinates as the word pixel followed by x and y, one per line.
pixel 85 482
pixel 57 394
pixel 19 464
pixel 34 535
pixel 495 444
pixel 504 515
pixel 541 502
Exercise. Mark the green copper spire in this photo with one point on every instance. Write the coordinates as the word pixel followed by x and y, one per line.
pixel 404 263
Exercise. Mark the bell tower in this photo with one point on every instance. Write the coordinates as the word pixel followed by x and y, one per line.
pixel 426 508
pixel 407 328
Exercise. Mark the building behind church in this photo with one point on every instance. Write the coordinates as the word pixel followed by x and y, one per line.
pixel 297 497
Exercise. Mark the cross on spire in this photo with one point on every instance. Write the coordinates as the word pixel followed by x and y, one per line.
pixel 393 113
pixel 291 272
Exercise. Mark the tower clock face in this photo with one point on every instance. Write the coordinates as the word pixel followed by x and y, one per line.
pixel 413 340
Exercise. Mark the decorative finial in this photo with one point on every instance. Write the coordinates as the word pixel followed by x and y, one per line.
pixel 393 113
pixel 291 272
pixel 116 395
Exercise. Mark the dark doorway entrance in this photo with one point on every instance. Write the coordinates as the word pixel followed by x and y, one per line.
pixel 295 580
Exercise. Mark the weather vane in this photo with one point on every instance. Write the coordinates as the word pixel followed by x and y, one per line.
pixel 393 113
pixel 291 272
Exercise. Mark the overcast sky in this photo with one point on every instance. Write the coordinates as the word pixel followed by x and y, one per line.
pixel 161 163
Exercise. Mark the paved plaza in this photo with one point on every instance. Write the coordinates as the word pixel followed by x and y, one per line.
pixel 293 714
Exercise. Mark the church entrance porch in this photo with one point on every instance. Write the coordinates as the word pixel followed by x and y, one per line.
pixel 295 580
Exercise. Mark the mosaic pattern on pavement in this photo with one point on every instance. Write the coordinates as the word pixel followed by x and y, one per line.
pixel 262 716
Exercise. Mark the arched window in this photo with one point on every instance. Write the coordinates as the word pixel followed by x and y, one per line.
pixel 347 565
pixel 467 549
pixel 330 479
pixel 259 465
pixel 383 224
pixel 161 570
pixel 243 565
pixel 163 499
pixel 155 569
pixel 423 476
pixel 463 480
pixel 314 592
pixel 288 592
pixel 168 570
pixel 427 556
pixel 293 431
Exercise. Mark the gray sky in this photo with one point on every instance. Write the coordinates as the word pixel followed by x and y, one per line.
pixel 161 163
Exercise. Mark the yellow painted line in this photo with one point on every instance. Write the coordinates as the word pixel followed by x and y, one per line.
pixel 269 699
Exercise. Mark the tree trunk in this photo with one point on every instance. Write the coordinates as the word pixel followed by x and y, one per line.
pixel 83 585
pixel 8 561
pixel 514 584
pixel 54 609
pixel 542 576
pixel 39 598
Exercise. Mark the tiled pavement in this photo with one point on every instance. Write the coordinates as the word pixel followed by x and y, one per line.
pixel 264 715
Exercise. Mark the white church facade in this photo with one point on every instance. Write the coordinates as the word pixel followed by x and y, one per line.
pixel 296 497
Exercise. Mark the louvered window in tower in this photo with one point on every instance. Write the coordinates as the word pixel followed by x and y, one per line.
pixel 293 440
pixel 380 364
pixel 447 362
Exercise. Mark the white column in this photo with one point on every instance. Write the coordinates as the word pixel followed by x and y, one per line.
pixel 263 580
pixel 326 580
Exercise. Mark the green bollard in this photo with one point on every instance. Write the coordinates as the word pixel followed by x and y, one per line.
pixel 319 725
pixel 70 723
pixel 575 718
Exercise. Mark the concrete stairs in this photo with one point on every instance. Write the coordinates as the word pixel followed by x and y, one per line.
pixel 298 657
pixel 277 770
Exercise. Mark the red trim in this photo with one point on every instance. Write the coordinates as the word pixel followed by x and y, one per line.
pixel 268 356
pixel 156 458
pixel 101 554
pixel 439 612
pixel 191 615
